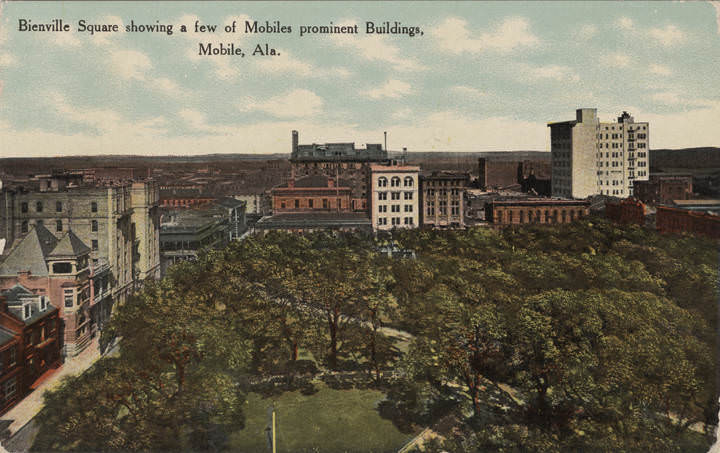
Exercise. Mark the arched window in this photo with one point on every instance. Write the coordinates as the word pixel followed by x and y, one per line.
pixel 408 181
pixel 547 216
pixel 395 182
pixel 382 181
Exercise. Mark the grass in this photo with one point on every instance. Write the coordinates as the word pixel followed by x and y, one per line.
pixel 328 421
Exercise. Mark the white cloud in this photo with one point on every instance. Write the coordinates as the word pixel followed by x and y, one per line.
pixel 391 89
pixel 289 65
pixel 298 103
pixel 548 72
pixel 615 60
pixel 375 48
pixel 675 98
pixel 586 32
pixel 660 69
pixel 467 91
pixel 667 36
pixel 129 64
pixel 625 23
pixel 716 5
pixel 7 59
pixel 453 36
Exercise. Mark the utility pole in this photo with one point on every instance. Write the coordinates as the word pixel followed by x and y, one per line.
pixel 270 430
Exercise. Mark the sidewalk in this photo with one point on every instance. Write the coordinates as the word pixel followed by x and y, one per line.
pixel 29 407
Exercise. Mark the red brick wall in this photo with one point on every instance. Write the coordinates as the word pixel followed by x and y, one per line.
pixel 673 220
pixel 626 211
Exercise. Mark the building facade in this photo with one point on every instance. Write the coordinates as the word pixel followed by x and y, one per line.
pixel 120 223
pixel 663 188
pixel 680 220
pixel 394 196
pixel 341 161
pixel 315 193
pixel 59 271
pixel 528 211
pixel 443 199
pixel 590 157
pixel 627 211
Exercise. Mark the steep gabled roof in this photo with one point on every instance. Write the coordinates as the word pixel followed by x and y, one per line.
pixel 29 253
pixel 69 245
pixel 13 294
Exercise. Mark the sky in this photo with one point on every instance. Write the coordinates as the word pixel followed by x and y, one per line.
pixel 484 76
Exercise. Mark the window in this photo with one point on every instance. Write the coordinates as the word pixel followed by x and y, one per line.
pixel 325 203
pixel 395 195
pixel 297 205
pixel 58 206
pixel 310 203
pixel 408 208
pixel 408 195
pixel 69 298
pixel 24 227
pixel 43 303
pixel 382 181
pixel 94 244
pixel 382 221
pixel 408 220
pixel 24 207
pixel 395 182
pixel 382 208
pixel 396 208
pixel 39 206
pixel 93 206
pixel 282 205
pixel 58 225
pixel 10 388
pixel 94 223
pixel 408 182
pixel 62 268
pixel 382 195
pixel 27 311
pixel 13 356
pixel 396 220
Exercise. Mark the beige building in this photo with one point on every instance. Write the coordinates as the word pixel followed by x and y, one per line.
pixel 590 157
pixel 120 223
pixel 394 196
pixel 443 199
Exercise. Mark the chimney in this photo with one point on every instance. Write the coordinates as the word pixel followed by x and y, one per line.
pixel 295 140
pixel 385 134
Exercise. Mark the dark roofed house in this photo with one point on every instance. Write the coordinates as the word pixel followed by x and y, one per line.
pixel 57 270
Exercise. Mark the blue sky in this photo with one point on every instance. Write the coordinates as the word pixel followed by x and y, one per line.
pixel 483 77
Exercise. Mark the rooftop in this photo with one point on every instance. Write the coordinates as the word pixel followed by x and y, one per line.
pixel 315 220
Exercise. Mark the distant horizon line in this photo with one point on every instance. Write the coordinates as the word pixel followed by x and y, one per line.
pixel 288 154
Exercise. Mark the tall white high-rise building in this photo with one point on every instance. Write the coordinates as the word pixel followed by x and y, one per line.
pixel 590 157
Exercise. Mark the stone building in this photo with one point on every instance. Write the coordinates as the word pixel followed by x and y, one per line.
pixel 663 188
pixel 59 270
pixel 590 157
pixel 120 222
pixel 443 199
pixel 526 211
pixel 341 161
pixel 394 196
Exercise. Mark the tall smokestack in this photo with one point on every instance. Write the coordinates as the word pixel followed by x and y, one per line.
pixel 385 133
pixel 295 139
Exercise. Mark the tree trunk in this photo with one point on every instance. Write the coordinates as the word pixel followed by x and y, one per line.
pixel 294 351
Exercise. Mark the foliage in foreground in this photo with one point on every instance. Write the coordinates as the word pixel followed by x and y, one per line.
pixel 578 337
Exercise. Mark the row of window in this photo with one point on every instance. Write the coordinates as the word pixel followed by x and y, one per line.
pixel 395 181
pixel 395 195
pixel 395 221
pixel 395 208
pixel 442 210
pixel 39 207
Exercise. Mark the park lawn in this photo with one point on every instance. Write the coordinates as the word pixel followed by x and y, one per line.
pixel 328 421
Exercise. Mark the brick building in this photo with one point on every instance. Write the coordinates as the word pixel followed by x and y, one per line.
pixel 443 199
pixel 341 161
pixel 11 370
pixel 627 211
pixel 57 269
pixel 526 211
pixel 663 188
pixel 679 220
pixel 528 175
pixel 35 322
pixel 315 193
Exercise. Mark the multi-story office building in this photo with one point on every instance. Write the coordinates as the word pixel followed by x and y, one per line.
pixel 443 199
pixel 340 161
pixel 590 157
pixel 394 196
pixel 119 222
